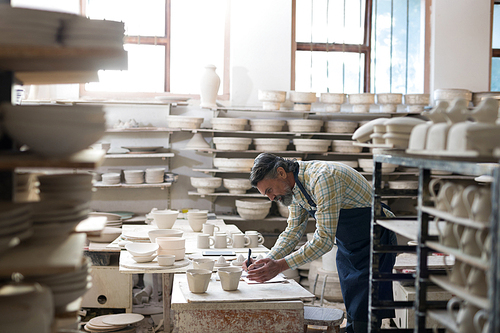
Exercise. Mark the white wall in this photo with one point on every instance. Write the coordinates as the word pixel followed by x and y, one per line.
pixel 460 44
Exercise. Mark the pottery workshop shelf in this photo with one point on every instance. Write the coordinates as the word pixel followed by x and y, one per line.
pixel 86 159
pixel 461 292
pixel 163 156
pixel 210 150
pixel 458 254
pixel 449 217
pixel 406 228
pixel 227 194
pixel 142 129
pixel 159 185
pixel 208 130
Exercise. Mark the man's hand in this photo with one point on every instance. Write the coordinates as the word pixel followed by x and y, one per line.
pixel 265 269
pixel 244 266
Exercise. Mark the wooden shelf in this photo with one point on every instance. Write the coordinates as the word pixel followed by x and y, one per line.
pixel 20 58
pixel 218 171
pixel 122 185
pixel 227 194
pixel 152 155
pixel 240 219
pixel 443 317
pixel 54 256
pixel 142 130
pixel 209 130
pixel 406 228
pixel 294 152
pixel 459 220
pixel 461 292
pixel 85 159
pixel 471 260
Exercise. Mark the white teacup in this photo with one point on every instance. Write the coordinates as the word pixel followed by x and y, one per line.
pixel 209 228
pixel 166 259
pixel 204 241
pixel 256 238
pixel 198 280
pixel 221 240
pixel 465 316
pixel 240 240
pixel 204 263
pixel 229 277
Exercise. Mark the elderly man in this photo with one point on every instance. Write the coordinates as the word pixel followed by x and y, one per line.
pixel 339 198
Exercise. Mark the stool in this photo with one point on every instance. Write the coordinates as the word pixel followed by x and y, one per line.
pixel 331 318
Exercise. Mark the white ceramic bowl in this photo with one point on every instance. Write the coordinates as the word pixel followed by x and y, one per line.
pixel 166 259
pixel 229 124
pixel 340 126
pixel 206 184
pixel 272 96
pixel 170 243
pixel 253 209
pixel 304 125
pixel 332 98
pixel 108 234
pixel 233 164
pixel 165 219
pixel 312 145
pixel 367 165
pixel 389 98
pixel 417 99
pixel 184 122
pixel 363 98
pixel 178 253
pixel 270 144
pixel 302 97
pixel 267 125
pixel 449 95
pixel 153 234
pixel 141 249
pixel 141 259
pixel 232 143
pixel 345 146
pixel 237 185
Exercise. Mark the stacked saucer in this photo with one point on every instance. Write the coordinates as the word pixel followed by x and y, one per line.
pixel 15 224
pixel 26 187
pixel 111 178
pixel 53 219
pixel 155 175
pixel 112 220
pixel 134 176
pixel 122 323
pixel 69 186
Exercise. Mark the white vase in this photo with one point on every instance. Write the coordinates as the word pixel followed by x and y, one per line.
pixel 209 86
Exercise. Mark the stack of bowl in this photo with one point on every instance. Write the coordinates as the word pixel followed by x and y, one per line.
pixel 237 185
pixel 340 126
pixel 164 219
pixel 267 125
pixel 15 224
pixel 367 165
pixel 271 144
pixel 253 209
pixel 345 146
pixel 361 102
pixel 142 252
pixel 54 131
pixel 155 175
pixel 134 176
pixel 271 99
pixel 112 220
pixel 312 145
pixel 206 184
pixel 389 101
pixel 333 101
pixel 153 234
pixel 111 178
pixel 172 245
pixel 304 125
pixel 232 143
pixel 184 122
pixel 69 186
pixel 417 102
pixel 234 164
pixel 302 100
pixel 448 95
pixel 196 218
pixel 229 124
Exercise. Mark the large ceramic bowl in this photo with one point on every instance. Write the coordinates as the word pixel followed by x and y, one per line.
pixel 153 234
pixel 253 209
pixel 267 125
pixel 237 185
pixel 141 249
pixel 233 164
pixel 361 102
pixel 304 125
pixel 272 96
pixel 448 95
pixel 206 184
pixel 312 145
pixel 165 219
pixel 340 126
pixel 345 146
pixel 270 144
pixel 184 122
pixel 229 124
pixel 302 97
pixel 232 143
pixel 170 243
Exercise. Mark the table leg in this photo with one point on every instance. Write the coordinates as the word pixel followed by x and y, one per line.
pixel 168 281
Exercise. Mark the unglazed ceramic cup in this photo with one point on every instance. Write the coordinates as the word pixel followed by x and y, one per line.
pixel 204 241
pixel 229 277
pixel 198 280
pixel 204 263
pixel 209 228
pixel 166 259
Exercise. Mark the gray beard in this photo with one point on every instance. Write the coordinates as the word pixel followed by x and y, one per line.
pixel 287 198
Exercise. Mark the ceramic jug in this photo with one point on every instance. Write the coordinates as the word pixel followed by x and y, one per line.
pixel 198 280
pixel 465 316
pixel 442 200
pixel 481 206
pixel 469 242
pixel 457 274
pixel 446 235
pixel 458 205
pixel 481 323
pixel 468 196
pixel 209 86
pixel 477 282
pixel 486 253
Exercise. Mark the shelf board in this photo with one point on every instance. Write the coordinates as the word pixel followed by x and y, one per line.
pixel 152 155
pixel 406 228
pixel 443 317
pixel 85 159
pixel 20 58
pixel 211 150
pixel 209 130
pixel 461 292
pixel 142 129
pixel 238 218
pixel 459 220
pixel 471 260
pixel 52 257
pixel 218 171
pixel 122 185
pixel 227 194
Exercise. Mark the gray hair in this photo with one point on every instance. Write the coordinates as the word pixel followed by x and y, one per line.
pixel 266 166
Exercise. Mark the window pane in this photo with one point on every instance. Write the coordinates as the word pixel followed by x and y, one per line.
pixel 197 40
pixel 141 18
pixel 495 74
pixel 65 6
pixel 496 27
pixel 146 72
pixel 329 72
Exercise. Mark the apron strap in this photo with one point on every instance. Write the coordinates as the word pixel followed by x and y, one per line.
pixel 310 201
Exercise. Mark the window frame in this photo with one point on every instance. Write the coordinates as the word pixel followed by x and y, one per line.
pixel 154 40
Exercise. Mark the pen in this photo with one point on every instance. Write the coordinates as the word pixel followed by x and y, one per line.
pixel 248 261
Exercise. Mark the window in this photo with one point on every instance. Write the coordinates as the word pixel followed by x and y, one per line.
pixel 358 46
pixel 168 42
pixel 495 44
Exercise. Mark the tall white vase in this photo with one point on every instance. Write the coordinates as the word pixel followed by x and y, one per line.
pixel 209 87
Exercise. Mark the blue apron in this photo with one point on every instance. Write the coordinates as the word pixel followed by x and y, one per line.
pixel 353 261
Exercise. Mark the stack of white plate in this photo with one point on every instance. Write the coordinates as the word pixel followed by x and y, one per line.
pixel 80 31
pixel 110 178
pixel 15 224
pixel 112 220
pixel 114 323
pixel 53 219
pixel 22 26
pixel 69 186
pixel 134 176
pixel 26 187
pixel 54 131
pixel 155 175
pixel 67 287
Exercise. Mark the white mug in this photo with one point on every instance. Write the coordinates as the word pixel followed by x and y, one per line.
pixel 256 238
pixel 481 206
pixel 477 282
pixel 240 240
pixel 481 323
pixel 221 240
pixel 465 316
pixel 442 199
pixel 209 228
pixel 204 241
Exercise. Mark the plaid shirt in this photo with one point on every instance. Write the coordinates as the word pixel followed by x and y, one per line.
pixel 332 186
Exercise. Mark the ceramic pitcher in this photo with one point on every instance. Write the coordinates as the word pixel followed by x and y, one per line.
pixel 481 206
pixel 469 242
pixel 481 323
pixel 465 316
pixel 442 200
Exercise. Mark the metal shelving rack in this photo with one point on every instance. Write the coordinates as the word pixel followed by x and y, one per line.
pixel 427 244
